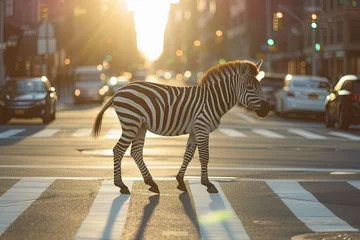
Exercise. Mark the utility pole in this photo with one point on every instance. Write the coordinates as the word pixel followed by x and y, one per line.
pixel 268 34
pixel 2 44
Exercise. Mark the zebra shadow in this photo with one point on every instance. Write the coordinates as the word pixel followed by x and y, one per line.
pixel 116 205
pixel 189 209
pixel 148 211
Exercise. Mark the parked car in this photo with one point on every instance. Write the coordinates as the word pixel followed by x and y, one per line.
pixel 27 98
pixel 302 94
pixel 270 83
pixel 342 105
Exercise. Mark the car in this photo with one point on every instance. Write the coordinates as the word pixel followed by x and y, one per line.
pixel 342 105
pixel 28 98
pixel 302 94
pixel 270 83
pixel 115 83
pixel 138 75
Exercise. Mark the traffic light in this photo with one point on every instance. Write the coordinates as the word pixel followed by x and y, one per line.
pixel 313 20
pixel 278 21
pixel 270 42
pixel 43 12
pixel 317 47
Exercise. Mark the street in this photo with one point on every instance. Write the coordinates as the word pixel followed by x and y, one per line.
pixel 277 178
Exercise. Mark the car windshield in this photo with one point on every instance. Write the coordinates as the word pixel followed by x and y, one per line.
pixel 356 87
pixel 311 84
pixel 24 86
pixel 272 82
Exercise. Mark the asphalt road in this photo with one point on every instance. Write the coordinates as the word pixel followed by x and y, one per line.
pixel 277 178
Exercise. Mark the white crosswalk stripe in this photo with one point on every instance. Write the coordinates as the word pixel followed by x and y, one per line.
pixel 267 133
pixel 11 132
pixel 82 132
pixel 45 133
pixel 232 132
pixel 306 134
pixel 16 200
pixel 113 134
pixel 307 208
pixel 345 135
pixel 217 219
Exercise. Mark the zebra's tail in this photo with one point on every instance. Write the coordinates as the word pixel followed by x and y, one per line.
pixel 97 124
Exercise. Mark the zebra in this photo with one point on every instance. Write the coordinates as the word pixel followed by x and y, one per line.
pixel 171 111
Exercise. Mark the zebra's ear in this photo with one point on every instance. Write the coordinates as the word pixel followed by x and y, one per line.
pixel 258 65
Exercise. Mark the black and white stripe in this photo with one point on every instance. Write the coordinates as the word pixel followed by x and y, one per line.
pixel 172 111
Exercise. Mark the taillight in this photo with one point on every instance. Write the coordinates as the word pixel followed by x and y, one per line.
pixel 290 94
pixel 354 97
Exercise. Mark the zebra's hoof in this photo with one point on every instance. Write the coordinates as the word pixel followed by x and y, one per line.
pixel 182 187
pixel 154 189
pixel 124 190
pixel 212 189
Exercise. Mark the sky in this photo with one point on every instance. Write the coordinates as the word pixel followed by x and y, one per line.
pixel 150 21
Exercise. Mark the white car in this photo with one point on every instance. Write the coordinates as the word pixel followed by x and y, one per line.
pixel 302 94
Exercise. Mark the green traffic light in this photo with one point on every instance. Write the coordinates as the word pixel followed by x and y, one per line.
pixel 270 42
pixel 313 25
pixel 317 47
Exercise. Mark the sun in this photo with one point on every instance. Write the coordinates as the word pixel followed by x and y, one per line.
pixel 150 21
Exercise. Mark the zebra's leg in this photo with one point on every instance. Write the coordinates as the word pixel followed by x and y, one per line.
pixel 137 154
pixel 127 136
pixel 189 153
pixel 202 140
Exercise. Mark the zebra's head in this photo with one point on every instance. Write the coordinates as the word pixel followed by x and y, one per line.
pixel 249 91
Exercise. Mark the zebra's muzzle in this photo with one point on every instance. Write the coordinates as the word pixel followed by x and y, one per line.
pixel 264 109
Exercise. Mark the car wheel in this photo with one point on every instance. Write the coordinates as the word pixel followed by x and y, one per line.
pixel 47 118
pixel 4 120
pixel 343 120
pixel 328 122
pixel 53 116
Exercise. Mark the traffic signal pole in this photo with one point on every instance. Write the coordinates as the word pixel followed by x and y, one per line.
pixel 268 35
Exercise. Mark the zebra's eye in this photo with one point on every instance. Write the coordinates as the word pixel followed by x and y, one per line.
pixel 249 87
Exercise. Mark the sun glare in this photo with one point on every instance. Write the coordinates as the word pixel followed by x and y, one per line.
pixel 150 22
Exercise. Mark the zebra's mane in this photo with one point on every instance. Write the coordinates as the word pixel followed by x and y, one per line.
pixel 237 66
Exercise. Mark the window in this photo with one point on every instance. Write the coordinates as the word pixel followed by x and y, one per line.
pixel 9 8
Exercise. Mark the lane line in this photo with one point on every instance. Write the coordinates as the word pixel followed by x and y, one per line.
pixel 307 208
pixel 355 184
pixel 267 133
pixel 232 132
pixel 246 118
pixel 18 198
pixel 305 134
pixel 189 167
pixel 11 132
pixel 45 133
pixel 345 135
pixel 113 134
pixel 82 132
pixel 217 219
pixel 107 216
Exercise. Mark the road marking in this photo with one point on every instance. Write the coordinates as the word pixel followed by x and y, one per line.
pixel 82 132
pixel 10 133
pixel 107 216
pixel 18 198
pixel 220 179
pixel 355 183
pixel 114 133
pixel 189 167
pixel 45 133
pixel 305 134
pixel 307 208
pixel 267 133
pixel 246 118
pixel 217 219
pixel 345 135
pixel 231 132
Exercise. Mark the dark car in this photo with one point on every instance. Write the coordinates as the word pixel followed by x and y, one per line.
pixel 27 98
pixel 270 83
pixel 342 105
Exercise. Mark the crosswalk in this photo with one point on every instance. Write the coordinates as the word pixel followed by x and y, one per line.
pixel 115 133
pixel 218 216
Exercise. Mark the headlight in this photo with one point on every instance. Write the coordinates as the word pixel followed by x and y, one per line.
pixel 113 81
pixel 77 92
pixel 41 102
